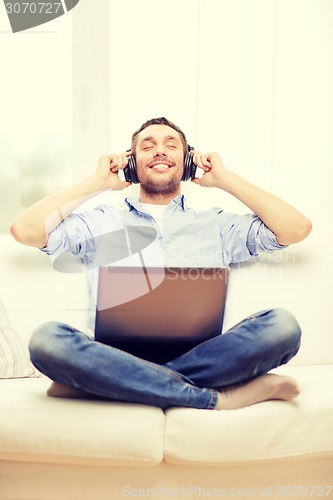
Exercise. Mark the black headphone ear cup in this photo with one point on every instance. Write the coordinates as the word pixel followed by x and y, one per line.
pixel 130 171
pixel 189 167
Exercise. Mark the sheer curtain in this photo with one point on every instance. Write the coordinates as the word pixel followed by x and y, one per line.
pixel 251 79
pixel 35 114
pixel 264 94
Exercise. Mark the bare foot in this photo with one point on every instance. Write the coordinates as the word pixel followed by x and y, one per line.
pixel 57 390
pixel 263 388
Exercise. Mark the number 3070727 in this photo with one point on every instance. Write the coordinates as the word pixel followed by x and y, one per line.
pixel 33 7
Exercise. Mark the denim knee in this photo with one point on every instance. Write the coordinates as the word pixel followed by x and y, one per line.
pixel 288 328
pixel 41 344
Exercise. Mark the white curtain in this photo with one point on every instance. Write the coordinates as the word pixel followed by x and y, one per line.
pixel 251 79
pixel 35 113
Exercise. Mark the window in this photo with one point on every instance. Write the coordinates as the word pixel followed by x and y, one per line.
pixel 36 115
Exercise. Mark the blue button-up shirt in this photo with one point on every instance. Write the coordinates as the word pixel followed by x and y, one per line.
pixel 208 238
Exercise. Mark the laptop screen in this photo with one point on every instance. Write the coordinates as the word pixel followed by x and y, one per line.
pixel 149 310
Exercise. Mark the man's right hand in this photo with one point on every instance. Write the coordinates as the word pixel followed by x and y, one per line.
pixel 107 171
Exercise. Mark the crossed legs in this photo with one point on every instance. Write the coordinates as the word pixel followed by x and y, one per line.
pixel 228 371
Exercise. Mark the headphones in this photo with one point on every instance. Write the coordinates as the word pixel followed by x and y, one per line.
pixel 189 168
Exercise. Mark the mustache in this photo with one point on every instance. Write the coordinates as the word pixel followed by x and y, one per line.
pixel 156 161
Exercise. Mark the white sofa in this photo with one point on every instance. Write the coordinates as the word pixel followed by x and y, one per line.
pixel 74 449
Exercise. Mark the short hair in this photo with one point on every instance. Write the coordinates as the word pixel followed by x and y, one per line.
pixel 158 121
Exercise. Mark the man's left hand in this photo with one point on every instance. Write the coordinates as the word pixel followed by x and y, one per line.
pixel 214 170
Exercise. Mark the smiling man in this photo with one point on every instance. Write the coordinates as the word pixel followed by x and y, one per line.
pixel 227 371
pixel 160 163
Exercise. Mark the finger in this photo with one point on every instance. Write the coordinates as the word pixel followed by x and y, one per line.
pixel 114 161
pixel 120 161
pixel 201 160
pixel 114 167
pixel 123 161
pixel 205 162
pixel 197 160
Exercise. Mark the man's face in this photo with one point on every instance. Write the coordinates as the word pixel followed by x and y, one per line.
pixel 159 160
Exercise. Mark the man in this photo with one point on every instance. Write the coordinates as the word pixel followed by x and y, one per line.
pixel 225 372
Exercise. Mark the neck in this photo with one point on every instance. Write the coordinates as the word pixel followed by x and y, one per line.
pixel 157 199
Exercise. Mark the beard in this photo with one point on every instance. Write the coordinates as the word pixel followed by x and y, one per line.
pixel 159 186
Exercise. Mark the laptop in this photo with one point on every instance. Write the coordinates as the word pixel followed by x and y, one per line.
pixel 159 313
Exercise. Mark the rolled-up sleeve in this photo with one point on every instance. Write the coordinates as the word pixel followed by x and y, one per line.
pixel 77 233
pixel 261 239
pixel 245 236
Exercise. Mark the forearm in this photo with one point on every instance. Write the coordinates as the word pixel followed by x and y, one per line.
pixel 34 225
pixel 287 223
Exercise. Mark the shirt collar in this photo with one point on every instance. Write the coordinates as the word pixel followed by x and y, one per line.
pixel 135 203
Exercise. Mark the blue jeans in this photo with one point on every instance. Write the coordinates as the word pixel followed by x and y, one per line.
pixel 253 347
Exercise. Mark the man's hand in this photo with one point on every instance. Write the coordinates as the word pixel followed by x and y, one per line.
pixel 107 171
pixel 214 170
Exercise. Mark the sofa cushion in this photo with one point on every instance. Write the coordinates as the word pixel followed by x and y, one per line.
pixel 37 428
pixel 269 430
